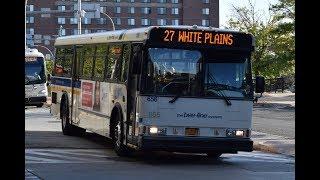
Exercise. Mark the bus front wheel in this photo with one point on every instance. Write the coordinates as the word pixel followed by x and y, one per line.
pixel 118 137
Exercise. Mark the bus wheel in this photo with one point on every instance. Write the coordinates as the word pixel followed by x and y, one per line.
pixel 39 105
pixel 118 137
pixel 67 128
pixel 214 155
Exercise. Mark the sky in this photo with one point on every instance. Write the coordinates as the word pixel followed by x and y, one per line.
pixel 226 6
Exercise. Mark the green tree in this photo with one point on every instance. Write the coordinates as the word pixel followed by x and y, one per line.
pixel 274 39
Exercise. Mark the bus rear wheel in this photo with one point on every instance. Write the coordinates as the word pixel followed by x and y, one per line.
pixel 67 128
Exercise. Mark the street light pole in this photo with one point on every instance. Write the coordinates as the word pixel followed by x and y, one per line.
pixel 79 16
pixel 25 24
pixel 110 19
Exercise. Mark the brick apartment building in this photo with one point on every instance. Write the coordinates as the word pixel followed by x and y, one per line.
pixel 48 19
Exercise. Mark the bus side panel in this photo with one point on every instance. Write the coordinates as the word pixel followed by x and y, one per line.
pixel 94 107
pixel 59 86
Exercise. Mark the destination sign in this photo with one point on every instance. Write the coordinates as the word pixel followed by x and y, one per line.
pixel 30 59
pixel 199 38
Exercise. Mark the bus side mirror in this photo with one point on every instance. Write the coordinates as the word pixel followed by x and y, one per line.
pixel 260 83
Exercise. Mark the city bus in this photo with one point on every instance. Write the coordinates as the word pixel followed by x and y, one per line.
pixel 36 90
pixel 158 88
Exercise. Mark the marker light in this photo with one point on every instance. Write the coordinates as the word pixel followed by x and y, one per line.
pixel 153 130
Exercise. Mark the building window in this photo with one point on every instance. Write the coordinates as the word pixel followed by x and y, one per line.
pixel 205 11
pixel 30 20
pixel 30 31
pixel 146 1
pixel 131 10
pixel 86 31
pixel 86 20
pixel 117 1
pixel 175 22
pixel 62 32
pixel 175 1
pixel 145 22
pixel 175 11
pixel 162 22
pixel 73 20
pixel 162 10
pixel 131 21
pixel 118 10
pixel 103 9
pixel 162 1
pixel 117 21
pixel 146 10
pixel 205 22
pixel 132 1
pixel 30 7
pixel 101 30
pixel 205 1
pixel 61 8
pixel 101 21
pixel 61 20
pixel 75 31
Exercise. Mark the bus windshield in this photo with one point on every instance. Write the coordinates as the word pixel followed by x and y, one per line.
pixel 34 71
pixel 197 73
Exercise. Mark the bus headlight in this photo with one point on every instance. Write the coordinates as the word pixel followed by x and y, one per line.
pixel 153 130
pixel 239 133
pixel 236 133
pixel 157 131
pixel 43 91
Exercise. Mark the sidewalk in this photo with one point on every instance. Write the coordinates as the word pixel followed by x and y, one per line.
pixel 281 100
pixel 273 143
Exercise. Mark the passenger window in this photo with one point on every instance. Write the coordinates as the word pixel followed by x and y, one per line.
pixel 87 61
pixel 99 69
pixel 114 62
pixel 125 62
pixel 63 62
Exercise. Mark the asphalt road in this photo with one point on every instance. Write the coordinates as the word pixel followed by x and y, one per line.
pixel 50 155
pixel 276 121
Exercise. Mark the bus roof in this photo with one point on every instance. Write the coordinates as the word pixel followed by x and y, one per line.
pixel 33 53
pixel 135 35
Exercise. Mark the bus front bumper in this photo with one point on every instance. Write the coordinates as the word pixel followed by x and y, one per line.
pixel 35 100
pixel 195 144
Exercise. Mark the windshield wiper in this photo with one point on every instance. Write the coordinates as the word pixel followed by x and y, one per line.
pixel 215 84
pixel 175 98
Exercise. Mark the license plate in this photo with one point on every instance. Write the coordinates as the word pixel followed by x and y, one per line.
pixel 192 131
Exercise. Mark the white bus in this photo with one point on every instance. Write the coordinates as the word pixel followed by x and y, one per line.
pixel 36 91
pixel 168 88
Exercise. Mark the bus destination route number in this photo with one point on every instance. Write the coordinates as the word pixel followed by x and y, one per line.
pixel 209 38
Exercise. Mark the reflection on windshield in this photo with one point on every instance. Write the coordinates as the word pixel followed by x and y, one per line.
pixel 182 72
pixel 226 77
pixel 34 72
pixel 172 71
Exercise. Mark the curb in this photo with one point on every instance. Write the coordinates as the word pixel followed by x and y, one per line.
pixel 273 144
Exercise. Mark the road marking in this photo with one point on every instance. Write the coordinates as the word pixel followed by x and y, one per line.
pixel 34 156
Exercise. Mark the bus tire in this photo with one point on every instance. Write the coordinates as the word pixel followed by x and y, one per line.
pixel 118 137
pixel 39 105
pixel 214 155
pixel 67 128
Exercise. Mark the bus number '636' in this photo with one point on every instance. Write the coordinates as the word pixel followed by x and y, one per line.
pixel 152 98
